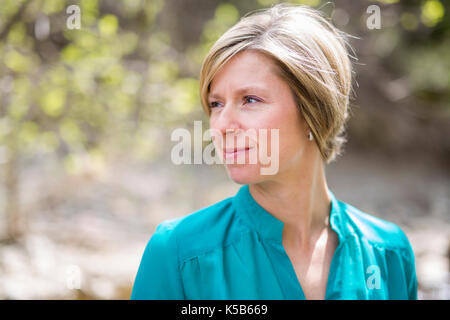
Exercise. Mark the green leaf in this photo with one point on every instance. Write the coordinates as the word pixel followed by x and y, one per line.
pixel 70 132
pixel 108 25
pixel 17 33
pixel 184 97
pixel 432 12
pixel 18 62
pixel 71 53
pixel 27 133
pixel 52 102
pixel 53 6
pixel 227 14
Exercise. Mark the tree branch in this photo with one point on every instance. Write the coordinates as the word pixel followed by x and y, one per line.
pixel 14 19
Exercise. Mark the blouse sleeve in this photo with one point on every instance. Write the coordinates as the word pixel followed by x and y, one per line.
pixel 412 286
pixel 410 269
pixel 158 277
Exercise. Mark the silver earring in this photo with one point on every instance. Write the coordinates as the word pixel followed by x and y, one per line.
pixel 310 136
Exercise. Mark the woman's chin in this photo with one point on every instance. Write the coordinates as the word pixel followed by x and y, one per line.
pixel 244 174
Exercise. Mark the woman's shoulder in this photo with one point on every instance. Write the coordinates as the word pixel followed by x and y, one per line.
pixel 202 230
pixel 388 237
pixel 376 230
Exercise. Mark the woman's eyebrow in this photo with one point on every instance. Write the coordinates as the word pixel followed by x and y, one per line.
pixel 239 91
pixel 249 89
pixel 214 96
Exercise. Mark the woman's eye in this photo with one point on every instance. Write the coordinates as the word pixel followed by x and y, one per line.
pixel 214 104
pixel 249 99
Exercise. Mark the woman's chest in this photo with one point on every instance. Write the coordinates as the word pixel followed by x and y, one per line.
pixel 255 269
pixel 312 272
pixel 312 268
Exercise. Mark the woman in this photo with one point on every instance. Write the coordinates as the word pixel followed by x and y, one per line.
pixel 284 235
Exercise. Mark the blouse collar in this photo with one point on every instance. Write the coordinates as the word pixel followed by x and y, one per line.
pixel 270 227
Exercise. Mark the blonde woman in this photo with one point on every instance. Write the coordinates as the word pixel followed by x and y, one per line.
pixel 283 235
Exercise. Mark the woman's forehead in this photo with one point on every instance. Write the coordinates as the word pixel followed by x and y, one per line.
pixel 245 71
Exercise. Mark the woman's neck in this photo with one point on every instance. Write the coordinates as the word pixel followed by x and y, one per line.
pixel 300 199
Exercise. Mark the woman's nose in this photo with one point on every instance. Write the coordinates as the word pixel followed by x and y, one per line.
pixel 228 120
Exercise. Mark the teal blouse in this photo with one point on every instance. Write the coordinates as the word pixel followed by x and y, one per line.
pixel 233 250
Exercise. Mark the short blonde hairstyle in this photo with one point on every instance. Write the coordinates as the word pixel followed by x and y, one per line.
pixel 310 54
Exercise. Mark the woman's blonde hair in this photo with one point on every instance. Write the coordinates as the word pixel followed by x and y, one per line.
pixel 311 56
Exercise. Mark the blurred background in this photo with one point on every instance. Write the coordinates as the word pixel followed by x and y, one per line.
pixel 91 90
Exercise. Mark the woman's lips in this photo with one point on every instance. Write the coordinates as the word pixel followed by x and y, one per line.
pixel 234 152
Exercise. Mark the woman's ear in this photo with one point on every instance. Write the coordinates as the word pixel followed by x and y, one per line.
pixel 304 124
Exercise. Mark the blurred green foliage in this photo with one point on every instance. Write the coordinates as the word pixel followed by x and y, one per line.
pixel 110 83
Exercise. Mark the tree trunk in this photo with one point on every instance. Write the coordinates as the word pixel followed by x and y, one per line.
pixel 13 216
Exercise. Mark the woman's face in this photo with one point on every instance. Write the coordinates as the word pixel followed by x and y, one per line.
pixel 246 97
